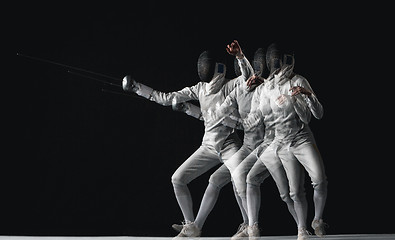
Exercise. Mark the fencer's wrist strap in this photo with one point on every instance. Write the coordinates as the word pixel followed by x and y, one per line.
pixel 144 90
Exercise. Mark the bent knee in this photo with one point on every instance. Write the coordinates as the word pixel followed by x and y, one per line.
pixel 286 198
pixel 219 181
pixel 298 196
pixel 177 179
pixel 320 186
pixel 240 187
pixel 255 180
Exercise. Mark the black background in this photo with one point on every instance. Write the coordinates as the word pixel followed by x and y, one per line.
pixel 90 162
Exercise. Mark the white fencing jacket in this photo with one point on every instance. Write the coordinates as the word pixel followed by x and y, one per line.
pixel 291 114
pixel 215 134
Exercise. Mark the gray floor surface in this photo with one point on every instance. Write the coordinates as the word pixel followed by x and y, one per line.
pixel 328 237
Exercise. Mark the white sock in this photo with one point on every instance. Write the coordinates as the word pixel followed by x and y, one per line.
pixel 319 199
pixel 209 199
pixel 184 200
pixel 253 203
pixel 242 204
pixel 301 211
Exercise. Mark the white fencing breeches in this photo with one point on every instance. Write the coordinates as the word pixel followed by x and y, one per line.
pixel 268 163
pixel 239 175
pixel 308 155
pixel 203 159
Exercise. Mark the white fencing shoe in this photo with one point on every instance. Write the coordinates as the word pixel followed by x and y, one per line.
pixel 303 234
pixel 188 230
pixel 253 232
pixel 177 227
pixel 319 227
pixel 242 232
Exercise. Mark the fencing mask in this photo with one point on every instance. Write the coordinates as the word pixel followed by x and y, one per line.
pixel 208 68
pixel 273 57
pixel 259 62
pixel 211 71
pixel 288 65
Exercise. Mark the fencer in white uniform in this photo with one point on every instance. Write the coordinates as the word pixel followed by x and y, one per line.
pixel 250 174
pixel 219 142
pixel 236 107
pixel 241 99
pixel 292 101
